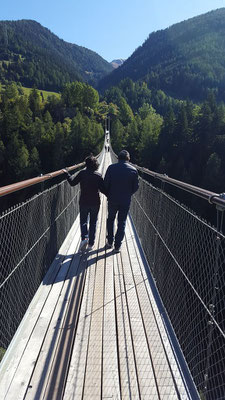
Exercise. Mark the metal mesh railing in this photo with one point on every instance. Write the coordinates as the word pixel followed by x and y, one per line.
pixel 31 235
pixel 185 254
pixel 187 260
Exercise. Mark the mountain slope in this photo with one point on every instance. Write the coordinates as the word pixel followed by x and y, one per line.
pixel 184 60
pixel 32 54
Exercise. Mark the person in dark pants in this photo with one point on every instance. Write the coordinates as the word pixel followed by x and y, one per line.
pixel 121 182
pixel 91 183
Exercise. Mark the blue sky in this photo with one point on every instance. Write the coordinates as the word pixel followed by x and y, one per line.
pixel 113 29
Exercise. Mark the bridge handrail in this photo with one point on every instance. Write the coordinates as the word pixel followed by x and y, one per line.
pixel 14 187
pixel 211 197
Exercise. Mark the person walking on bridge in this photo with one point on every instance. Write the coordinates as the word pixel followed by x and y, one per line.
pixel 121 182
pixel 91 183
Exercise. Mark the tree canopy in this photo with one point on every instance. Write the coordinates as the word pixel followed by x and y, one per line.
pixel 38 137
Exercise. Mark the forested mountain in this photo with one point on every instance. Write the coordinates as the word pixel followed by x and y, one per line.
pixel 185 60
pixel 33 55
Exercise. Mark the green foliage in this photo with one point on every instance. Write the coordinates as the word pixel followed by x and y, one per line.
pixel 35 102
pixel 118 136
pixel 17 155
pixel 133 139
pixel 151 128
pixel 179 138
pixel 2 150
pixel 138 94
pixel 213 176
pixel 80 96
pixel 125 112
pixel 184 140
pixel 90 97
pixel 43 93
pixel 38 137
pixel 41 132
pixel 10 92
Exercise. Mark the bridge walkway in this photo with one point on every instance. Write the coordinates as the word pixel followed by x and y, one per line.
pixel 93 329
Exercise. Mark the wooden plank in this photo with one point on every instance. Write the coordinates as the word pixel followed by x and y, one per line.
pixel 60 366
pixel 40 377
pixel 18 345
pixel 76 375
pixel 172 361
pixel 128 379
pixel 54 389
pixel 164 378
pixel 146 378
pixel 110 375
pixel 62 343
pixel 75 379
pixel 128 376
pixel 93 375
pixel 23 373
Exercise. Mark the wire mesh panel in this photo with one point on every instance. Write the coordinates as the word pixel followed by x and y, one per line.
pixel 30 236
pixel 187 259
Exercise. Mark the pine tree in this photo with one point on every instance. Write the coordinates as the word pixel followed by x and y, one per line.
pixel 125 112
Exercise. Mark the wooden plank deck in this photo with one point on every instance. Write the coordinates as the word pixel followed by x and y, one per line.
pixel 93 330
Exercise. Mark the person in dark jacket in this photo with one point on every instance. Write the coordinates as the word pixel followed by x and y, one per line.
pixel 91 183
pixel 121 182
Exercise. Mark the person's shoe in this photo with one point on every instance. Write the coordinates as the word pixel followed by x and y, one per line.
pixel 90 247
pixel 108 245
pixel 83 245
pixel 117 249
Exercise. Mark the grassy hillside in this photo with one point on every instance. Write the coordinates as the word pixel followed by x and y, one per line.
pixel 27 91
pixel 45 93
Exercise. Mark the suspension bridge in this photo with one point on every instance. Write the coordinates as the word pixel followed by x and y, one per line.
pixel 145 323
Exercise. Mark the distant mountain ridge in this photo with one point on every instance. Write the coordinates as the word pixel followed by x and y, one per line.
pixel 33 55
pixel 117 63
pixel 185 60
